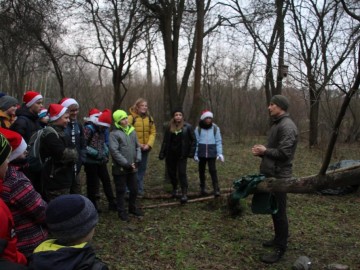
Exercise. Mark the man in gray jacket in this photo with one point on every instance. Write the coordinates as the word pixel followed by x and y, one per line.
pixel 276 162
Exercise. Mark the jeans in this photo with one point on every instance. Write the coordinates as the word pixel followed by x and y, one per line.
pixel 141 171
pixel 121 182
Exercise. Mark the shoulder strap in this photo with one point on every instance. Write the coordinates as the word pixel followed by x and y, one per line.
pixel 134 119
pixel 215 128
pixel 50 129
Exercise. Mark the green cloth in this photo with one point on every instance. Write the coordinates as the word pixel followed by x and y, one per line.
pixel 262 203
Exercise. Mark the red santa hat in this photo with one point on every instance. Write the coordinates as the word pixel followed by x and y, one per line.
pixel 67 102
pixel 94 114
pixel 55 111
pixel 206 114
pixel 105 119
pixel 17 143
pixel 30 97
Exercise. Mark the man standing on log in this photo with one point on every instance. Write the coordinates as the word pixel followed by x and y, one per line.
pixel 276 162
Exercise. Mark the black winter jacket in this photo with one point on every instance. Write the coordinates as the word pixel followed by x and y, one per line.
pixel 56 257
pixel 188 142
pixel 280 149
pixel 60 155
pixel 26 123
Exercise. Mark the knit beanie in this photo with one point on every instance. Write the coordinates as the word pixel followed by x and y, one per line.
pixel 206 114
pixel 119 115
pixel 280 101
pixel 43 113
pixel 5 149
pixel 180 110
pixel 7 101
pixel 70 217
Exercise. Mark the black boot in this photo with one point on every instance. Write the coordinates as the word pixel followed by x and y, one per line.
pixel 215 183
pixel 273 257
pixel 184 197
pixel 174 193
pixel 112 206
pixel 203 192
pixel 123 216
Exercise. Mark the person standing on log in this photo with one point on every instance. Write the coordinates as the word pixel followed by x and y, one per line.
pixel 276 162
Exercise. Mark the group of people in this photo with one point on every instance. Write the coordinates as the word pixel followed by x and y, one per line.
pixel 42 201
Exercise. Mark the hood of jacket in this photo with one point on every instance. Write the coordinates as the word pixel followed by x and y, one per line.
pixel 51 256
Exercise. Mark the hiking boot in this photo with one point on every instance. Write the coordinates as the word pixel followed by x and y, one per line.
pixel 269 243
pixel 123 216
pixel 174 193
pixel 216 193
pixel 273 257
pixel 203 192
pixel 137 212
pixel 183 199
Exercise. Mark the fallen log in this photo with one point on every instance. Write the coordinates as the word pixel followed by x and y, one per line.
pixel 190 195
pixel 177 203
pixel 310 184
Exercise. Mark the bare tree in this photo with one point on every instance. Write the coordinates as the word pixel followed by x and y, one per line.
pixel 172 16
pixel 254 18
pixel 322 50
pixel 118 26
pixel 41 21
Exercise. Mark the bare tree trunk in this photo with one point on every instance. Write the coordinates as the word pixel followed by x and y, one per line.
pixel 314 117
pixel 339 119
pixel 197 101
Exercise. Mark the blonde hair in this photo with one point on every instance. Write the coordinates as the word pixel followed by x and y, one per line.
pixel 137 103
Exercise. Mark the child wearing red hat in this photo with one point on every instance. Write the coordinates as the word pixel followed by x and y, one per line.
pixel 27 122
pixel 208 150
pixel 58 152
pixel 97 157
pixel 76 132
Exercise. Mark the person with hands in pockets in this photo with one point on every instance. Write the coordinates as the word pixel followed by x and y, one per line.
pixel 126 154
pixel 208 150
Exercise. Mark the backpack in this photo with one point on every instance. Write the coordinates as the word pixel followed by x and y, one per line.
pixel 34 159
pixel 214 129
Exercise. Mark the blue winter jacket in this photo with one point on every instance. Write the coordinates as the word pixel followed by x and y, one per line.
pixel 209 142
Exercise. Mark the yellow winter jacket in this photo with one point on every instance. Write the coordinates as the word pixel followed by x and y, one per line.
pixel 144 127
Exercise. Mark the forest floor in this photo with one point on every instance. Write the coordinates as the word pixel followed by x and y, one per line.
pixel 202 235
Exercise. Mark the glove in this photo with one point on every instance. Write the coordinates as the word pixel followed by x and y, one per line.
pixel 221 158
pixel 196 158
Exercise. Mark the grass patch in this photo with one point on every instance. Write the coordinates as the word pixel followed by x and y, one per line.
pixel 203 236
